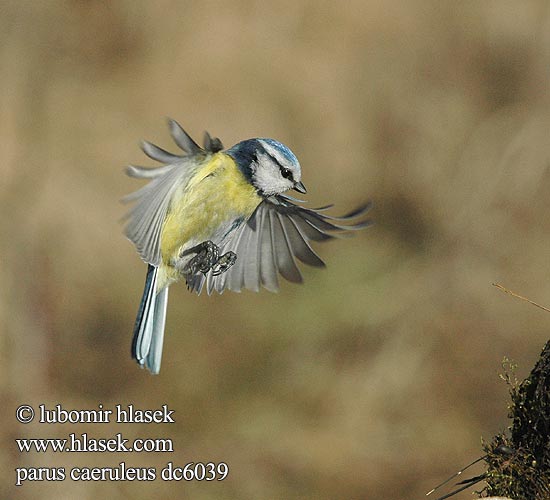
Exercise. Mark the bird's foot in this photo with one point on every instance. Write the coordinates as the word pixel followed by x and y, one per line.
pixel 207 259
pixel 224 263
pixel 207 254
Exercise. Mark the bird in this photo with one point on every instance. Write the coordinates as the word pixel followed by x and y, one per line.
pixel 220 220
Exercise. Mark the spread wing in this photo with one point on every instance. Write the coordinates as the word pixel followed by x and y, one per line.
pixel 276 235
pixel 144 220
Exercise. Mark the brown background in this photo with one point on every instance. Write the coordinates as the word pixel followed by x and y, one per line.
pixel 376 378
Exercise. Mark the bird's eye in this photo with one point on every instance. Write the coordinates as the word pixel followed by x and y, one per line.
pixel 286 173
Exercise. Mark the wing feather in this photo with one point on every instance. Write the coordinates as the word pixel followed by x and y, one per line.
pixel 182 138
pixel 235 278
pixel 300 246
pixel 268 255
pixel 251 260
pixel 146 172
pixel 145 219
pixel 278 233
pixel 158 154
pixel 281 247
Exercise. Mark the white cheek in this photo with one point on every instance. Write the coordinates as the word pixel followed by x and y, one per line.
pixel 269 180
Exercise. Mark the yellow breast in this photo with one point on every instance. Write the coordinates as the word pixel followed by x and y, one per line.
pixel 217 194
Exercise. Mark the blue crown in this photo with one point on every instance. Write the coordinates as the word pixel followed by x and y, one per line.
pixel 287 153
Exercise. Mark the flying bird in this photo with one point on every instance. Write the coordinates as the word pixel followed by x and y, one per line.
pixel 220 219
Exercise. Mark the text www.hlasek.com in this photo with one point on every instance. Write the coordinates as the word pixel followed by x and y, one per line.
pixel 85 444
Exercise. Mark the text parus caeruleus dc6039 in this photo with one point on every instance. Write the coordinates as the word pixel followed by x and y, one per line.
pixel 219 219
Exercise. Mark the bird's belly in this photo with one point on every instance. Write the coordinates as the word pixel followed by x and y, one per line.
pixel 204 210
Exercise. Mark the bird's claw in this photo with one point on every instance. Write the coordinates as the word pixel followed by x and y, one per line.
pixel 208 259
pixel 224 263
pixel 207 254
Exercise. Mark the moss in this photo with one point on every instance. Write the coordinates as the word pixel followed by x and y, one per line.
pixel 518 465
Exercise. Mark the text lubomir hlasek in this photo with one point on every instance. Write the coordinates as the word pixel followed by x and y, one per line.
pixel 122 414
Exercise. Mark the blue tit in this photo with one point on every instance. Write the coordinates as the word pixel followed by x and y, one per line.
pixel 219 220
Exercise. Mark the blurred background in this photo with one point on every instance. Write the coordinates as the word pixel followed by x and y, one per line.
pixel 378 377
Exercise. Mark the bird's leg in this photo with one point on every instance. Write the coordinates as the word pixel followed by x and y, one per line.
pixel 207 259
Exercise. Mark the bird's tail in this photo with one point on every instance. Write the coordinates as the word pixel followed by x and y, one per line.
pixel 149 327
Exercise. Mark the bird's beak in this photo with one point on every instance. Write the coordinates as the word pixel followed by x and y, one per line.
pixel 299 186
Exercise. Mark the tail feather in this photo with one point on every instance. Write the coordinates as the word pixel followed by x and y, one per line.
pixel 149 326
pixel 154 356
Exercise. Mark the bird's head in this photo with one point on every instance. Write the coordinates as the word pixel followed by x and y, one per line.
pixel 269 165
